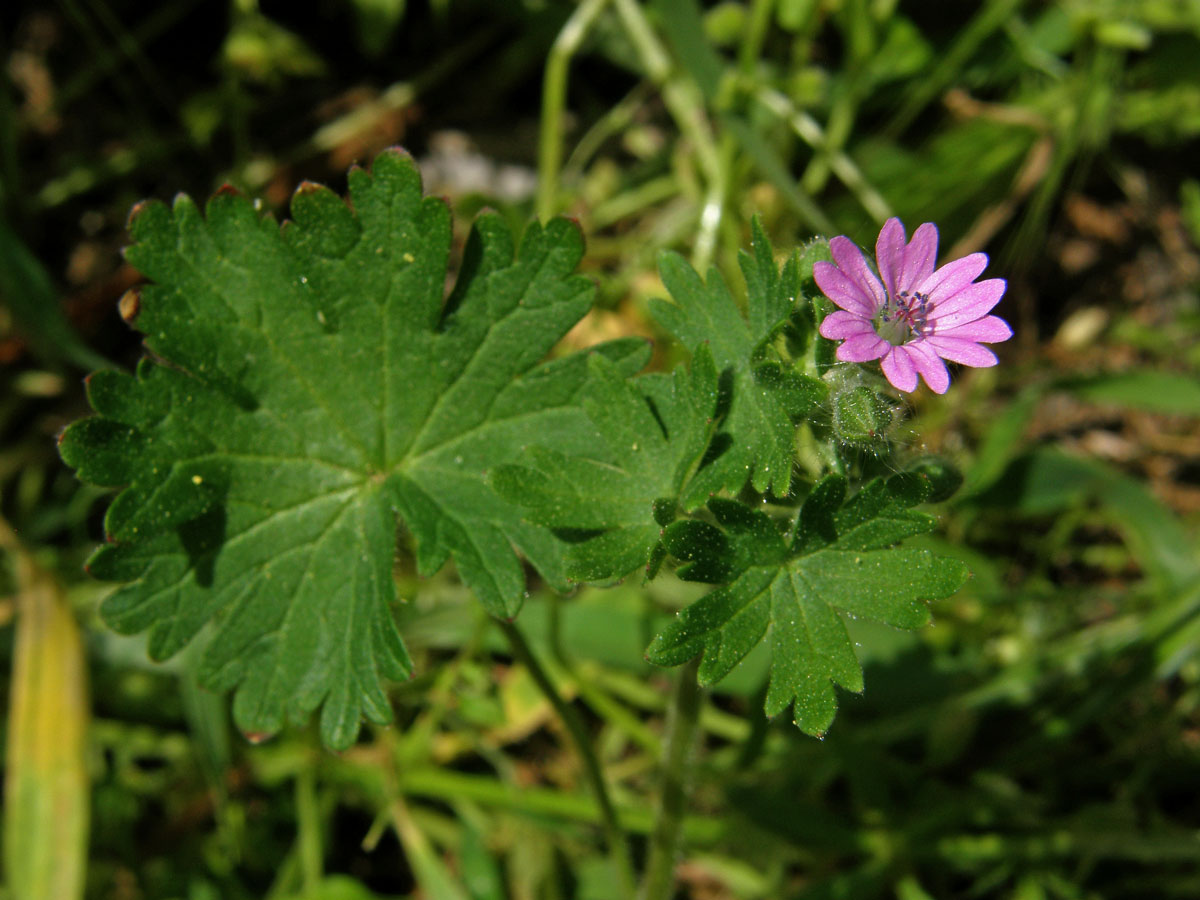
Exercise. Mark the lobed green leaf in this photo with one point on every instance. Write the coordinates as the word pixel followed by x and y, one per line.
pixel 842 560
pixel 309 388
pixel 763 400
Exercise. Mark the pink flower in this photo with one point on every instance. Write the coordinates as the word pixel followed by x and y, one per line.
pixel 918 316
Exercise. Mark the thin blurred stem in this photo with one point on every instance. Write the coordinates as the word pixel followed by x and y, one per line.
pixel 614 835
pixel 755 34
pixel 417 739
pixel 729 153
pixel 554 99
pixel 838 129
pixel 617 714
pixel 542 803
pixel 590 692
pixel 113 55
pixel 683 718
pixel 711 214
pixel 951 61
pixel 615 121
pixel 431 873
pixel 127 44
pixel 308 826
pixel 685 102
pixel 634 200
pixel 98 46
pixel 635 691
pixel 587 685
pixel 809 130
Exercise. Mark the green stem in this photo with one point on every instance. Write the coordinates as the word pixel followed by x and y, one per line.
pixel 554 100
pixel 544 803
pixel 808 130
pixel 951 61
pixel 754 36
pixel 686 104
pixel 614 836
pixel 614 122
pixel 308 824
pixel 590 692
pixel 678 762
pixel 838 129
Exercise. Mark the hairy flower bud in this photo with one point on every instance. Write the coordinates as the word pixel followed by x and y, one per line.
pixel 861 416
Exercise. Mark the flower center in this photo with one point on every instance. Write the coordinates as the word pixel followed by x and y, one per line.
pixel 902 317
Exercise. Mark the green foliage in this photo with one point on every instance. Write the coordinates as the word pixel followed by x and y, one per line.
pixel 308 382
pixel 840 557
pixel 763 400
pixel 612 506
pixel 310 385
pixel 672 442
pixel 665 460
pixel 1075 640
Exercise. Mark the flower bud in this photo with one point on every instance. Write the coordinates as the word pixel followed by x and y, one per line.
pixel 860 416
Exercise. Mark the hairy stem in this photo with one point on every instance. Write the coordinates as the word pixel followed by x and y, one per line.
pixel 683 717
pixel 614 836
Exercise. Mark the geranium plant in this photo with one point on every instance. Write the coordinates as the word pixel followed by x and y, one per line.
pixel 309 388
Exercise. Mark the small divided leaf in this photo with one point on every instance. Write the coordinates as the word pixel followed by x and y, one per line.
pixel 762 401
pixel 842 559
pixel 308 384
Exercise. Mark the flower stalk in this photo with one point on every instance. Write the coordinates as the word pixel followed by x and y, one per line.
pixel 678 767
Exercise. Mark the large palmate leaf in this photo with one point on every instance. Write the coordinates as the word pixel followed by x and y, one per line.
pixel 616 498
pixel 841 558
pixel 306 385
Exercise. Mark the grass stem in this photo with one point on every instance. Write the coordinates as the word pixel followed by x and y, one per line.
pixel 554 100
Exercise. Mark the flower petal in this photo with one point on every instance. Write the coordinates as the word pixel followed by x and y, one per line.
pixel 847 294
pixel 919 257
pixel 973 302
pixel 850 260
pixel 990 329
pixel 962 351
pixel 889 254
pixel 952 277
pixel 862 347
pixel 899 369
pixel 839 325
pixel 929 365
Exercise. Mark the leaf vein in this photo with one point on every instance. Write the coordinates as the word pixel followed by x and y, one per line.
pixel 284 359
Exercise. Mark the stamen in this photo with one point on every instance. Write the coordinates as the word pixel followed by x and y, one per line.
pixel 903 317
